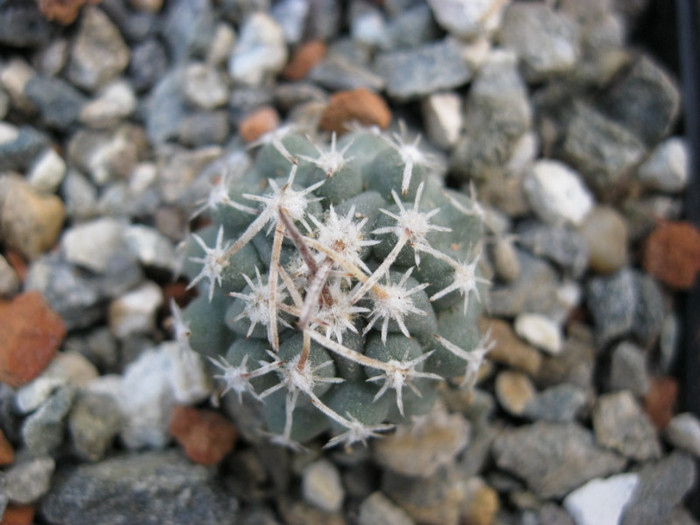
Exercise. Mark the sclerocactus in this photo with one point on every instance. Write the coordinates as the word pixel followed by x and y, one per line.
pixel 338 285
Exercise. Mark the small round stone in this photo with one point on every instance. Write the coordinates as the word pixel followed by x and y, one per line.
pixel 322 487
pixel 304 59
pixel 539 331
pixel 259 122
pixel 606 234
pixel 672 254
pixel 514 391
pixel 359 105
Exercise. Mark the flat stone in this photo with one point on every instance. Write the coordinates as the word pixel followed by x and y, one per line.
pixel 339 73
pixel 601 501
pixel 646 100
pixel 59 103
pixel 539 331
pixel 468 18
pixel 554 458
pixel 260 50
pixel 148 487
pixel 662 486
pixel 547 40
pixel 98 53
pixel 418 72
pixel 601 149
pixel 94 244
pixel 321 486
pixel 621 424
pixel 683 432
pixel 557 194
pixel 666 169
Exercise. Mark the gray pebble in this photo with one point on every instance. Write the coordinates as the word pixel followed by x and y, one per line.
pixel 337 73
pixel 79 196
pixel 377 509
pixel 666 169
pixel 260 51
pixel 148 64
pixel 22 25
pixel 662 486
pixel 553 458
pixel 43 430
pixel 621 425
pixel 291 16
pixel 204 86
pixel 93 245
pixel 188 28
pixel 204 128
pixel 561 403
pixel 148 488
pixel 420 71
pixel 628 369
pixel 467 19
pixel 59 103
pixel 98 53
pixel 562 245
pixel 28 479
pixel 9 280
pixel 165 108
pixel 19 151
pixel 93 423
pixel 683 431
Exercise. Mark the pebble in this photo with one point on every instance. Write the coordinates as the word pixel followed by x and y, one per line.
pixel 437 500
pixel 337 72
pixel 79 196
pixel 63 12
pixel 601 501
pixel 134 313
pixel 601 149
pixel 292 15
pixel 189 26
pixel 261 121
pixel 482 504
pixel 10 282
pixel 207 436
pixel 148 64
pixel 556 193
pixel 560 244
pixel 646 100
pixel 666 169
pixel 304 58
pixel 607 238
pixel 168 487
pixel 93 423
pixel 509 349
pixel 165 108
pixel 321 486
pixel 98 53
pixel 660 401
pixel 22 25
pixel 93 245
pixel 539 331
pixel 662 485
pixel 204 128
pixel 468 19
pixel 628 369
pixel 505 259
pixel 420 450
pixel 28 479
pixel 562 403
pixel 621 425
pixel 59 103
pixel 260 51
pixel 114 103
pixel 683 432
pixel 14 76
pixel 546 40
pixel 44 429
pixel 672 254
pixel 359 105
pixel 53 58
pixel 204 86
pixel 415 73
pixel 30 221
pixel 47 172
pixel 30 334
pixel 443 118
pixel 377 509
pixel 21 148
pixel 553 458
pixel 221 45
pixel 514 391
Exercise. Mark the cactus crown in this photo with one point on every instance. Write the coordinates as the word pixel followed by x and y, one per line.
pixel 331 280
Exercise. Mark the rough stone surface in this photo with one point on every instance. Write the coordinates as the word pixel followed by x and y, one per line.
pixel 148 487
pixel 93 423
pixel 468 18
pixel 206 436
pixel 621 425
pixel 553 458
pixel 59 103
pixel 628 369
pixel 417 72
pixel 28 480
pixel 672 254
pixel 562 245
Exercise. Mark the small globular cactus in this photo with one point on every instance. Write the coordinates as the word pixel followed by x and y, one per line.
pixel 339 285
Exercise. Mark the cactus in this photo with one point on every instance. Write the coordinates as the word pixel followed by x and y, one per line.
pixel 339 285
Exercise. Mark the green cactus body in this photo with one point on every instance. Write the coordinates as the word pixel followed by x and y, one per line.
pixel 339 285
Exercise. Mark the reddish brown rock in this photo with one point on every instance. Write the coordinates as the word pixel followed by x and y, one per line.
pixel 304 58
pixel 18 515
pixel 357 105
pixel 206 436
pixel 7 453
pixel 672 254
pixel 63 11
pixel 30 334
pixel 660 400
pixel 258 123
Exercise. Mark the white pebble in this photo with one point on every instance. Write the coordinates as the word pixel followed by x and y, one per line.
pixel 47 172
pixel 601 501
pixel 321 486
pixel 442 114
pixel 683 431
pixel 135 312
pixel 539 331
